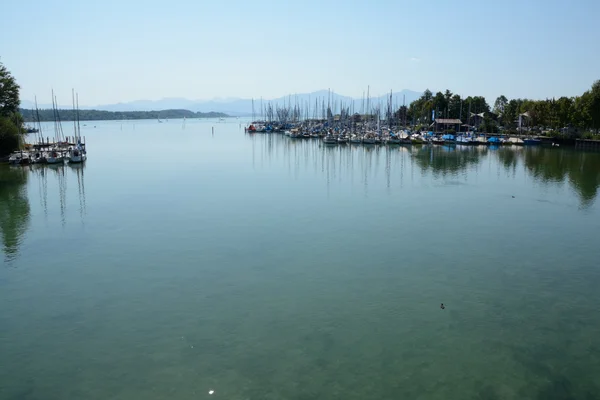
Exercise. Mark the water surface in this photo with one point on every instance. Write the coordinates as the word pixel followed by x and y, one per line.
pixel 177 262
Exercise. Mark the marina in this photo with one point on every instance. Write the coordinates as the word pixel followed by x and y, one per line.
pixel 61 149
pixel 335 124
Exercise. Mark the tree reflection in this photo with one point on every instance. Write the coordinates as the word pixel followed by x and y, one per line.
pixel 448 160
pixel 547 165
pixel 509 157
pixel 580 169
pixel 14 209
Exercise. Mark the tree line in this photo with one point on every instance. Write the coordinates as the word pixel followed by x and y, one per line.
pixel 579 114
pixel 101 115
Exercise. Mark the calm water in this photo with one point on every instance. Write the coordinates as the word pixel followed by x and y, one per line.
pixel 177 262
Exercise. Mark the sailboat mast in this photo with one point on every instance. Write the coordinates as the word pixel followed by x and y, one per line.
pixel 460 115
pixel 39 124
pixel 78 120
pixel 74 113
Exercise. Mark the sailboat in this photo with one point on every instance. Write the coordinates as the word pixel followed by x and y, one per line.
pixel 76 154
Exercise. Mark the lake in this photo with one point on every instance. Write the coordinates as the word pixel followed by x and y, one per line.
pixel 176 261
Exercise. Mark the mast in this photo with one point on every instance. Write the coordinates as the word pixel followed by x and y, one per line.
pixel 39 124
pixel 78 121
pixel 60 131
pixel 74 113
pixel 460 115
pixel 55 115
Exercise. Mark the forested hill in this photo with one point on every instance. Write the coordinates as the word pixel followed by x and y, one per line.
pixel 99 115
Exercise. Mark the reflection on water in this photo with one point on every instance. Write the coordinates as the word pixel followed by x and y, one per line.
pixel 14 209
pixel 448 160
pixel 549 166
pixel 49 184
pixel 580 169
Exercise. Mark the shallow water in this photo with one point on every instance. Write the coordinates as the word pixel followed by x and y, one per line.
pixel 177 262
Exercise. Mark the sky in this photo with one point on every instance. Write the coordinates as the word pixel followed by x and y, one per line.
pixel 118 51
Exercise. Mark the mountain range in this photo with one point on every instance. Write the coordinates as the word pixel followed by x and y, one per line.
pixel 243 107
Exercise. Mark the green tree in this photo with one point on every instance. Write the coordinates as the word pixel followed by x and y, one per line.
pixel 11 122
pixel 440 104
pixel 565 111
pixel 454 105
pixel 594 106
pixel 427 95
pixel 9 136
pixel 9 93
pixel 401 114
pixel 511 113
pixel 581 111
pixel 500 105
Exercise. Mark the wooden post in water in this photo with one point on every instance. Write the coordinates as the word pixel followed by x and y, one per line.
pixel 213 131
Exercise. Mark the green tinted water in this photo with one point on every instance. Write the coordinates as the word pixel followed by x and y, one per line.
pixel 177 262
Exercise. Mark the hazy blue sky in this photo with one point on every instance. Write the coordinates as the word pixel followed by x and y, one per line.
pixel 112 51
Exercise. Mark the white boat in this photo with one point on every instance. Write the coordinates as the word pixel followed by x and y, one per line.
pixel 342 139
pixel 355 139
pixel 38 157
pixel 329 139
pixel 287 133
pixel 466 140
pixel 19 158
pixel 76 155
pixel 54 157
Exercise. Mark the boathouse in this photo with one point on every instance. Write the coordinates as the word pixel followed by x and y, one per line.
pixel 446 124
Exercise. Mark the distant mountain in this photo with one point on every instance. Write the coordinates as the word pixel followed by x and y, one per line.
pixel 243 107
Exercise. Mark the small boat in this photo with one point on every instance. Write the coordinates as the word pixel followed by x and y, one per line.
pixel 392 140
pixel 54 157
pixel 438 140
pixel 19 158
pixel 76 155
pixel 466 140
pixel 287 133
pixel 330 139
pixel 342 139
pixel 449 139
pixel 38 158
pixel 355 139
pixel 531 142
